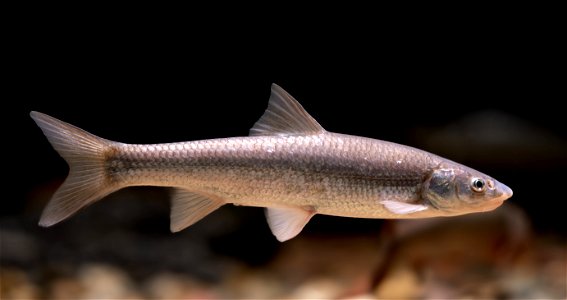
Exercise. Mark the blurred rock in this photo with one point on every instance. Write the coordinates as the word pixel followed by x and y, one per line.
pixel 16 284
pixel 318 288
pixel 333 266
pixel 403 283
pixel 254 284
pixel 105 282
pixel 169 285
pixel 472 256
pixel 66 288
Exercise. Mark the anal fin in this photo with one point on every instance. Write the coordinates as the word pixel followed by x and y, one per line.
pixel 287 222
pixel 189 207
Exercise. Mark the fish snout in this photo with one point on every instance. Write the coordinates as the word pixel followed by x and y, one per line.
pixel 503 191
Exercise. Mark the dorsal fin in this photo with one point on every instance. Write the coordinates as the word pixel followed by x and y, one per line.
pixel 285 116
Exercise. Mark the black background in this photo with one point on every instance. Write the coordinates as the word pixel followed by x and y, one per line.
pixel 141 80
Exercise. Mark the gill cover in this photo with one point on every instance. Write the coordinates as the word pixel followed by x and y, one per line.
pixel 440 188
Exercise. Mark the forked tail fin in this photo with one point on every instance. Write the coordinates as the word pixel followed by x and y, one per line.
pixel 85 154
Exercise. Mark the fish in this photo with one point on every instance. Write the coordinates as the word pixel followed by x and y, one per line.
pixel 288 164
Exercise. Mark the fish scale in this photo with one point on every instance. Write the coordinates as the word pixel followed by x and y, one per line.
pixel 256 174
pixel 289 164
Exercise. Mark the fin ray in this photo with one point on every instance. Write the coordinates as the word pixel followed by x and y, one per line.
pixel 287 222
pixel 188 207
pixel 401 208
pixel 285 116
pixel 84 153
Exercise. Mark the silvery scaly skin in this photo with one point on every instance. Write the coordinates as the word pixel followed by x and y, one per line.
pixel 289 164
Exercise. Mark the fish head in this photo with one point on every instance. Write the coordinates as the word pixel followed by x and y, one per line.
pixel 454 189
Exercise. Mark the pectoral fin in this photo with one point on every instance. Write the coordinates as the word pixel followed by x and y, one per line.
pixel 287 222
pixel 402 208
pixel 188 207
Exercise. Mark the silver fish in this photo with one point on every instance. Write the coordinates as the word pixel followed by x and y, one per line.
pixel 289 164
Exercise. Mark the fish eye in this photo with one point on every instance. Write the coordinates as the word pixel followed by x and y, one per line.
pixel 478 185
